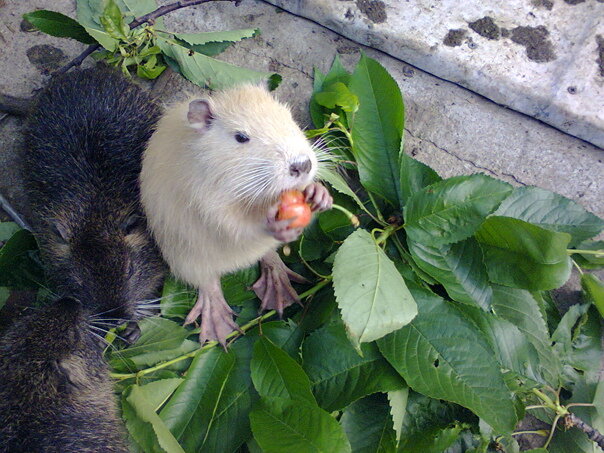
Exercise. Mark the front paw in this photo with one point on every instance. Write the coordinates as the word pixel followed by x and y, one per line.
pixel 318 196
pixel 279 229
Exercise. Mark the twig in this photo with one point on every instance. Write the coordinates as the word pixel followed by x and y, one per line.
pixel 161 11
pixel 571 420
pixel 6 206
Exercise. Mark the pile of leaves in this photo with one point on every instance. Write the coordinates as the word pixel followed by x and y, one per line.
pixel 147 49
pixel 428 328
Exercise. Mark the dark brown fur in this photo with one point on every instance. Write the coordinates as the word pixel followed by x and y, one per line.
pixel 83 148
pixel 55 391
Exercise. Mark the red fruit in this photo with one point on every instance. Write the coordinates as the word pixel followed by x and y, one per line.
pixel 293 205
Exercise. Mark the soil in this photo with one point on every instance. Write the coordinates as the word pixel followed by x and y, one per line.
pixel 454 37
pixel 535 39
pixel 486 27
pixel 46 58
pixel 375 10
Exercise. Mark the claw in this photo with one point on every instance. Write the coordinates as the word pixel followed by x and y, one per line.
pixel 273 287
pixel 216 315
pixel 318 196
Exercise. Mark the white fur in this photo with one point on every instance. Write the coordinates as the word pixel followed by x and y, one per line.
pixel 206 195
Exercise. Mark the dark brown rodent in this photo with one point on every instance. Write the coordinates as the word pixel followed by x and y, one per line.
pixel 83 148
pixel 82 158
pixel 55 390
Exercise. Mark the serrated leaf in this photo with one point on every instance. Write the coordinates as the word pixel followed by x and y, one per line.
pixel 368 426
pixel 336 181
pixel 59 25
pixel 551 211
pixel 337 73
pixel 377 129
pixel 276 374
pixel 458 267
pixel 144 425
pixel 442 355
pixel 208 72
pixel 522 255
pixel 452 210
pixel 340 379
pixel 281 425
pixel 213 43
pixel 437 440
pixel 414 177
pixel 397 399
pixel 521 309
pixel 209 410
pixel 177 298
pixel 371 294
pixel 236 285
pixel 338 94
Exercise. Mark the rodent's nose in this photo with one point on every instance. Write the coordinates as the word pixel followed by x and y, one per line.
pixel 300 168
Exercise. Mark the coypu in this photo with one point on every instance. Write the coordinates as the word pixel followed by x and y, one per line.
pixel 55 390
pixel 212 173
pixel 82 158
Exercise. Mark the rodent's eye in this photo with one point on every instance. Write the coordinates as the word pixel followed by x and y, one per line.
pixel 241 137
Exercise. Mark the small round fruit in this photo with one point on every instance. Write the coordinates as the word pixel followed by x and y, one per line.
pixel 293 205
pixel 292 197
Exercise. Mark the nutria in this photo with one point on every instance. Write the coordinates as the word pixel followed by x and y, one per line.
pixel 212 174
pixel 82 158
pixel 55 390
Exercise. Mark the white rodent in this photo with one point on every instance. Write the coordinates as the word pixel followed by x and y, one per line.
pixel 211 177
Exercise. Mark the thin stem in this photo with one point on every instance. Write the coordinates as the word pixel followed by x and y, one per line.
pixel 577 266
pixel 377 211
pixel 536 406
pixel 6 206
pixel 598 253
pixel 354 220
pixel 244 328
pixel 539 432
pixel 135 23
pixel 551 431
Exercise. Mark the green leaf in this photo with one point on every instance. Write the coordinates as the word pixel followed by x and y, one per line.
pixel 377 129
pixel 522 255
pixel 112 21
pixel 336 181
pixel 235 286
pixel 213 43
pixel 593 288
pixel 414 176
pixel 370 292
pixel 59 25
pixel 103 39
pixel 442 355
pixel 160 340
pixel 4 295
pixel 436 440
pixel 338 94
pixel 157 393
pixel 293 426
pixel 589 260
pixel 368 426
pixel 512 348
pixel 551 211
pixel 208 72
pixel 337 73
pixel 340 379
pixel 276 374
pixel 7 229
pixel 177 298
pixel 458 267
pixel 521 309
pixel 19 264
pixel 144 425
pixel 209 410
pixel 452 210
pixel 398 409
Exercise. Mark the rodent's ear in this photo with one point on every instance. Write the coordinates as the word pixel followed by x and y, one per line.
pixel 200 114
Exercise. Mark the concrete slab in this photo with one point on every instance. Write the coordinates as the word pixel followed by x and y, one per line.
pixel 447 126
pixel 544 58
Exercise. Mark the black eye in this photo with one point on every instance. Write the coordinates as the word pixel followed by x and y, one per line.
pixel 241 137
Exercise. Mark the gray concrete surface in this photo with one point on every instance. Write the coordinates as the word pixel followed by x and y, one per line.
pixel 544 58
pixel 447 126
